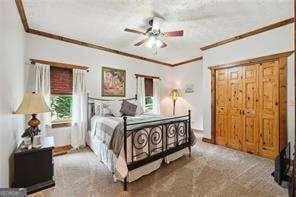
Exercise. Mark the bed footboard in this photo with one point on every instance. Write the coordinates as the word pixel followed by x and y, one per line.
pixel 145 142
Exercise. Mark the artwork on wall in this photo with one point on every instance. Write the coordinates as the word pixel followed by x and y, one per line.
pixel 189 88
pixel 113 82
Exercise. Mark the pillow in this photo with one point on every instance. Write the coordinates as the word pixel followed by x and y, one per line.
pixel 128 108
pixel 114 107
pixel 140 109
pixel 98 108
pixel 106 112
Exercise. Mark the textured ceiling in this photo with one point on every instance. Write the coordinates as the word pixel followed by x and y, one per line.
pixel 204 21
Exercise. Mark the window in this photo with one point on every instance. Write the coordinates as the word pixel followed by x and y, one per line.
pixel 61 108
pixel 148 103
pixel 148 94
pixel 61 83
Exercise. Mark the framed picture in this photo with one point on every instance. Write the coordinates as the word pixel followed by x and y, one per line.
pixel 189 88
pixel 113 82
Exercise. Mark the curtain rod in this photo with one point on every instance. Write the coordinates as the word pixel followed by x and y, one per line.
pixel 147 76
pixel 59 64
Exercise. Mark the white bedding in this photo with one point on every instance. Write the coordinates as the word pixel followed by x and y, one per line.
pixel 98 138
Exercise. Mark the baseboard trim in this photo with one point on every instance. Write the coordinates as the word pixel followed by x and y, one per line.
pixel 60 150
pixel 207 140
pixel 196 130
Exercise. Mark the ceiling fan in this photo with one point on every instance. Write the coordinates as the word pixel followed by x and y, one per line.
pixel 153 34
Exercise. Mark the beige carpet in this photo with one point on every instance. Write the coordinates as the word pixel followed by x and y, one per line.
pixel 211 171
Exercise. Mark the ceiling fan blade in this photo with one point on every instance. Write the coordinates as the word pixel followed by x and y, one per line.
pixel 163 45
pixel 134 31
pixel 141 42
pixel 173 33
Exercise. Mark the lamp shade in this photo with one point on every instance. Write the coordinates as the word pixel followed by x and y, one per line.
pixel 32 103
pixel 175 93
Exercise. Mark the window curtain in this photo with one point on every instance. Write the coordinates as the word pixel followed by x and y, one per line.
pixel 42 86
pixel 141 91
pixel 79 109
pixel 156 96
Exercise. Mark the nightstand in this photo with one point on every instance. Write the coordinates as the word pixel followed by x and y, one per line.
pixel 33 169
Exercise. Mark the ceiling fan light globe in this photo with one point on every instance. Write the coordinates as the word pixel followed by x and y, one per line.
pixel 151 41
pixel 158 43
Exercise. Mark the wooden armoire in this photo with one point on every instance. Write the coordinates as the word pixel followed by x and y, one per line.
pixel 249 105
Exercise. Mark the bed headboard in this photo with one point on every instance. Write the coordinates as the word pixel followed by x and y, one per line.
pixel 91 105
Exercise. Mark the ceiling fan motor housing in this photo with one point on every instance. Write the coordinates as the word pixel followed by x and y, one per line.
pixel 153 32
pixel 150 22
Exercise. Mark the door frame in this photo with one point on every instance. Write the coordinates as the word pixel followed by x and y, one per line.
pixel 279 56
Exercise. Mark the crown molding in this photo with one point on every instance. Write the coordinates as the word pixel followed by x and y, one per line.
pixel 21 10
pixel 250 33
pixel 188 61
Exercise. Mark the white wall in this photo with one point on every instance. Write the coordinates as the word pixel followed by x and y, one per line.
pixel 267 43
pixel 11 84
pixel 183 75
pixel 47 49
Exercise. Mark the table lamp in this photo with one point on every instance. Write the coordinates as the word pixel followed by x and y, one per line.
pixel 33 104
pixel 175 93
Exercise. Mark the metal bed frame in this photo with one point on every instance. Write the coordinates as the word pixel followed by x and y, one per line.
pixel 151 140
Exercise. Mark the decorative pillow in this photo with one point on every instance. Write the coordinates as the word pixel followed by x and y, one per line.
pixel 101 109
pixel 140 109
pixel 128 108
pixel 114 107
pixel 106 112
pixel 98 107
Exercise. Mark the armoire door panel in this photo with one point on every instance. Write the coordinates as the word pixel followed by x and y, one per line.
pixel 268 95
pixel 234 131
pixel 250 111
pixel 268 127
pixel 221 106
pixel 282 103
pixel 269 110
pixel 221 129
pixel 235 120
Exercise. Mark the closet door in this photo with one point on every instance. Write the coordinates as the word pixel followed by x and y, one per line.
pixel 221 106
pixel 250 111
pixel 236 97
pixel 269 109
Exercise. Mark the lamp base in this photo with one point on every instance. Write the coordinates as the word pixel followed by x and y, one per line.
pixel 174 107
pixel 34 122
pixel 33 129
